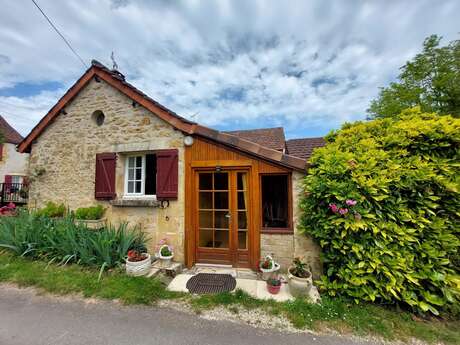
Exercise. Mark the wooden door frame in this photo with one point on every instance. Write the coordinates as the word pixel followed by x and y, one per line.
pixel 191 208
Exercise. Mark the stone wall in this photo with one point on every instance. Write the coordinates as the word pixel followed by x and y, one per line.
pixel 287 246
pixel 67 151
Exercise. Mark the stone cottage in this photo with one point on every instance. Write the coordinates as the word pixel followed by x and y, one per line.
pixel 224 198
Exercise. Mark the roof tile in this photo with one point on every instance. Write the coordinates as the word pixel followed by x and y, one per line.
pixel 10 135
pixel 303 147
pixel 269 137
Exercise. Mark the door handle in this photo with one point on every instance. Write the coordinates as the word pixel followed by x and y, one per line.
pixel 228 215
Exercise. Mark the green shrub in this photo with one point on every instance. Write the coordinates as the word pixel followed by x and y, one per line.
pixel 52 210
pixel 63 241
pixel 90 213
pixel 382 200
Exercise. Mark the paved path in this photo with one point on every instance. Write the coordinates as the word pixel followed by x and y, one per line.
pixel 27 319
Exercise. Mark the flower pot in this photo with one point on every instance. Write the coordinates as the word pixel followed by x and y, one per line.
pixel 138 268
pixel 164 261
pixel 299 287
pixel 273 289
pixel 95 224
pixel 268 273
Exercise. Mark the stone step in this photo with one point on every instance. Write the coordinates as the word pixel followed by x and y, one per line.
pixel 171 270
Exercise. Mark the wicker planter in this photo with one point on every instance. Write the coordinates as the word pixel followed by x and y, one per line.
pixel 138 268
pixel 299 287
pixel 95 224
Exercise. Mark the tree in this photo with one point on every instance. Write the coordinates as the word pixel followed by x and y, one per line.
pixel 431 80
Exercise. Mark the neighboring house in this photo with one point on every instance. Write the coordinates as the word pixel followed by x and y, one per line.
pixel 220 198
pixel 13 165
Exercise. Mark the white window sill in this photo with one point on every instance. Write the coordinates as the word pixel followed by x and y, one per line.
pixel 139 197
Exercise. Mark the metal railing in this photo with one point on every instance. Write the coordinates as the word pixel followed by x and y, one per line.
pixel 17 193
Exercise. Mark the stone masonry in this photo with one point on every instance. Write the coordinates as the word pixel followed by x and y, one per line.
pixel 284 247
pixel 66 151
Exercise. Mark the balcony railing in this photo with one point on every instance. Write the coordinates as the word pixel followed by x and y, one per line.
pixel 17 193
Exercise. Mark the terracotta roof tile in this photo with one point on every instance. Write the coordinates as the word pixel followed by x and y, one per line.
pixel 10 135
pixel 269 137
pixel 303 147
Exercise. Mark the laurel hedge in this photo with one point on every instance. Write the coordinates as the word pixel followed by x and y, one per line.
pixel 382 200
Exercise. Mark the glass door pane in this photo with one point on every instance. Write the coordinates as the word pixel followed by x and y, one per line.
pixel 242 209
pixel 213 210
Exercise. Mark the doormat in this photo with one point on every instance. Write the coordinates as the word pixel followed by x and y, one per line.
pixel 204 283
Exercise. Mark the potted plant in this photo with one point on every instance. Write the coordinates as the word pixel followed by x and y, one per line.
pixel 274 285
pixel 268 267
pixel 165 253
pixel 137 263
pixel 91 217
pixel 299 278
pixel 8 210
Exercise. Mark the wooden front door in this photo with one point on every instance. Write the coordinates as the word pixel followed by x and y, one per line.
pixel 222 231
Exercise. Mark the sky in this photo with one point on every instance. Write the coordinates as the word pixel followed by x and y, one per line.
pixel 308 66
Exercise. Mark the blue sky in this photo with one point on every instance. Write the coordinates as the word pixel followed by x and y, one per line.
pixel 308 66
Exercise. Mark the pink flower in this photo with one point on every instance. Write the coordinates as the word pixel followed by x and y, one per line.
pixel 343 211
pixel 333 208
pixel 351 202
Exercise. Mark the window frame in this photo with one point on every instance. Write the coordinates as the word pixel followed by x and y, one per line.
pixel 284 230
pixel 126 194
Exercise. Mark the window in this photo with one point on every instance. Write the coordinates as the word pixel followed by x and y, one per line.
pixel 276 203
pixel 16 179
pixel 140 175
pixel 98 117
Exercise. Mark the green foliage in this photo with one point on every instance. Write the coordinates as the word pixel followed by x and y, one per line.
pixel 62 241
pixel 382 200
pixel 431 80
pixel 52 210
pixel 90 213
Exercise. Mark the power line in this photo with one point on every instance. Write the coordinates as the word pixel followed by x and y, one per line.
pixel 59 33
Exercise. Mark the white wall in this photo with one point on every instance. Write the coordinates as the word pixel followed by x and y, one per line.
pixel 13 162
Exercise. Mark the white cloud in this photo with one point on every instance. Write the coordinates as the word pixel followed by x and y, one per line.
pixel 308 66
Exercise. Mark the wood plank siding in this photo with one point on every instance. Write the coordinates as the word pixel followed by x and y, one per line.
pixel 206 154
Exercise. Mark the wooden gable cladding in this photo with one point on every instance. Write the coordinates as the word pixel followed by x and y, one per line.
pixel 206 154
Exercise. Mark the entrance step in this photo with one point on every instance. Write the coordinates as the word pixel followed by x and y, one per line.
pixel 171 271
pixel 213 269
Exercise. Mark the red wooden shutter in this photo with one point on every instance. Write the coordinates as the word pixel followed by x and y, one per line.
pixel 8 179
pixel 1 152
pixel 105 175
pixel 167 174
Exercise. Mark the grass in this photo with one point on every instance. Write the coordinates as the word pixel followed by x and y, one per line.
pixel 73 279
pixel 363 319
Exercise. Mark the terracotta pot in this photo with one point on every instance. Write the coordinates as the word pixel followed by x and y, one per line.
pixel 299 287
pixel 273 289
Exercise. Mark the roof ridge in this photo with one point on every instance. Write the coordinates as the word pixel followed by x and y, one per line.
pixel 254 129
pixel 305 138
